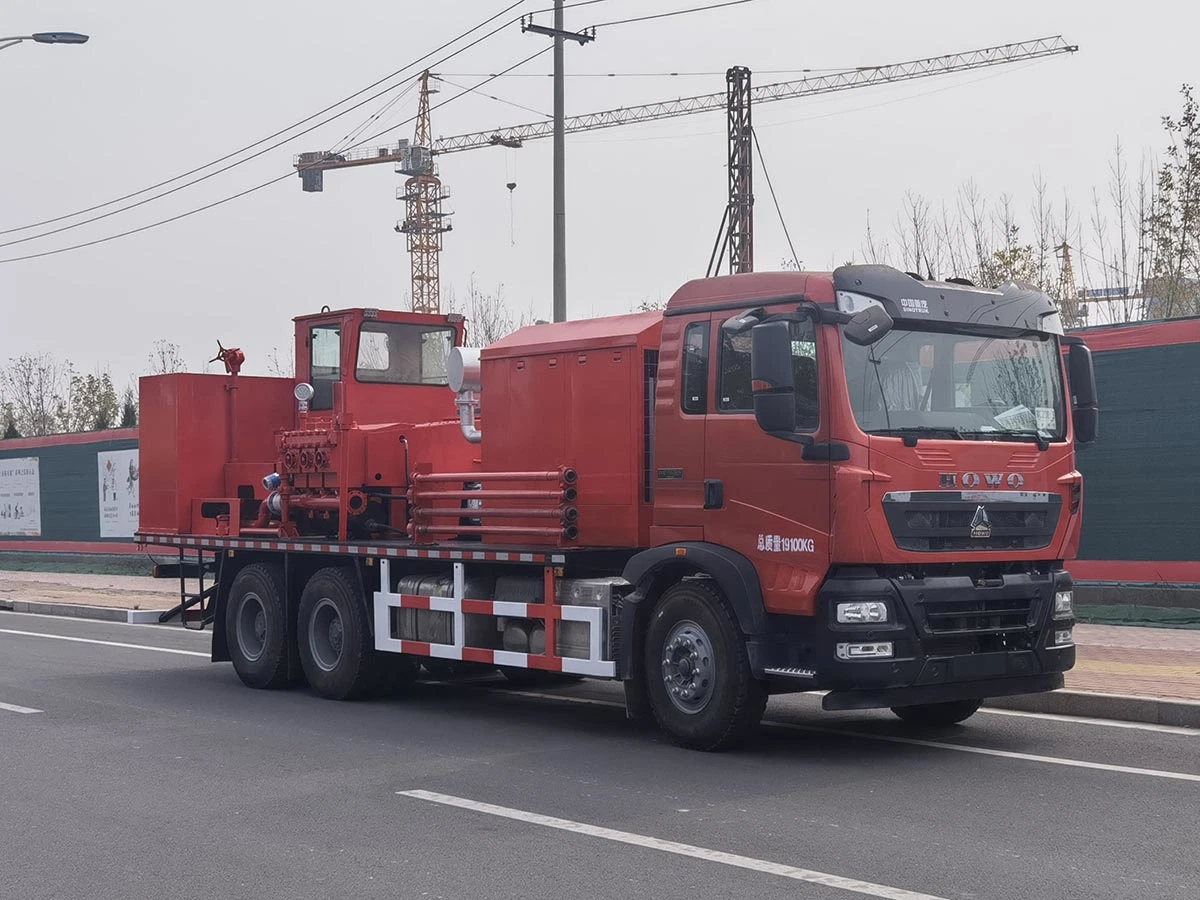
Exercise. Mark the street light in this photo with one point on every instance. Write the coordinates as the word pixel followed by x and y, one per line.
pixel 45 37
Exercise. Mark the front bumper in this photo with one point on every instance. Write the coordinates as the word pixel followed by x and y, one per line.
pixel 954 637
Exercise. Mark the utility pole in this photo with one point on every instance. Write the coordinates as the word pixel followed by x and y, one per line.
pixel 559 34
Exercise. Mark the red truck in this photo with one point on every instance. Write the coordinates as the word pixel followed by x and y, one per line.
pixel 858 482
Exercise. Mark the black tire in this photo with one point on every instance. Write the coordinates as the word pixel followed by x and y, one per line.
pixel 336 649
pixel 255 626
pixel 937 714
pixel 704 713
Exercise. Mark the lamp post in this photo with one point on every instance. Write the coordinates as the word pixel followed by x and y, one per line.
pixel 45 37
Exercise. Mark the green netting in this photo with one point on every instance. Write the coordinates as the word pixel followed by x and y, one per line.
pixel 1140 491
pixel 1145 616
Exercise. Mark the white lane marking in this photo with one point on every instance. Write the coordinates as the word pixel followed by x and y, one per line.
pixel 179 629
pixel 866 888
pixel 984 751
pixel 1085 720
pixel 79 640
pixel 896 739
pixel 12 707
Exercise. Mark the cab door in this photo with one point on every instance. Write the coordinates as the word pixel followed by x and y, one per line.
pixel 775 505
pixel 680 417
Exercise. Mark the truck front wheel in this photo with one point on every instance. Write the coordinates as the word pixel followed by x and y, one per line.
pixel 255 629
pixel 702 690
pixel 936 714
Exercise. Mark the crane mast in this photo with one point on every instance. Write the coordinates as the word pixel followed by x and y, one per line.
pixel 424 220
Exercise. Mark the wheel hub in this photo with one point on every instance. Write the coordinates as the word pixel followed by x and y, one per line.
pixel 326 635
pixel 251 628
pixel 687 667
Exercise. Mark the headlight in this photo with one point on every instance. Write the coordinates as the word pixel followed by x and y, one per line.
pixel 1063 637
pixel 1063 605
pixel 861 612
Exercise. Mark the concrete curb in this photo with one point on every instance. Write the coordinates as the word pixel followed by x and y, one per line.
pixel 1122 707
pixel 81 611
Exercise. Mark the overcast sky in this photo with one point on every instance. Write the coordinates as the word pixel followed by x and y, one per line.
pixel 159 90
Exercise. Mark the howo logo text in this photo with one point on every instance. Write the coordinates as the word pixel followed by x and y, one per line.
pixel 1014 480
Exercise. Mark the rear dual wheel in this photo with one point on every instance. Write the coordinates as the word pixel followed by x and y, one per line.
pixel 255 630
pixel 337 651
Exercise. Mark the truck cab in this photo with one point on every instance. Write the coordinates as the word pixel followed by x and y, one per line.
pixel 370 360
pixel 895 459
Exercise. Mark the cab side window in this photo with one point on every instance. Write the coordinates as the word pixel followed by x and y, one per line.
pixel 325 354
pixel 694 398
pixel 733 382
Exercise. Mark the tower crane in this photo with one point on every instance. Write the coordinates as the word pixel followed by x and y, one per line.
pixel 425 222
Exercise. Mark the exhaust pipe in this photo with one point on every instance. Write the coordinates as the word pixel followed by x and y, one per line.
pixel 462 370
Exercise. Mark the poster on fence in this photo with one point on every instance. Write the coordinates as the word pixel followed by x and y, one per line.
pixel 20 498
pixel 118 493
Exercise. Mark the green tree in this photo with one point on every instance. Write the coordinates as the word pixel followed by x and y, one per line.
pixel 129 409
pixel 10 423
pixel 91 403
pixel 1174 222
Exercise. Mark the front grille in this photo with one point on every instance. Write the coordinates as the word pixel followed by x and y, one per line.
pixel 979 616
pixel 948 520
pixel 979 625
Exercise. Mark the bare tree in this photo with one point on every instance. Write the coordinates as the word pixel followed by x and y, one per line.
pixel 282 367
pixel 165 358
pixel 915 235
pixel 36 388
pixel 489 317
pixel 874 252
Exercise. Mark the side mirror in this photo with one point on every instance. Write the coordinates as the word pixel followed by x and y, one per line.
pixel 771 379
pixel 867 326
pixel 1085 407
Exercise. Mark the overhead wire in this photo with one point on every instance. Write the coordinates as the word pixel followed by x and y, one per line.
pixel 253 189
pixel 536 112
pixel 677 12
pixel 762 162
pixel 257 154
pixel 339 146
pixel 659 74
pixel 282 131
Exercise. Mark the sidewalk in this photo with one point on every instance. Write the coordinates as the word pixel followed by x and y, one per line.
pixel 1122 672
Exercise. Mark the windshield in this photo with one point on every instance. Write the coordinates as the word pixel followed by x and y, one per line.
pixel 946 384
pixel 397 353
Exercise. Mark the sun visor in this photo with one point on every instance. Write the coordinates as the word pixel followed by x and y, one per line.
pixel 912 300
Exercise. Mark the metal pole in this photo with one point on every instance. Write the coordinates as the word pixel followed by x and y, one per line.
pixel 560 181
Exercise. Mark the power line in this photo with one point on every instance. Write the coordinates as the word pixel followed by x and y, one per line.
pixel 536 112
pixel 678 12
pixel 762 162
pixel 713 74
pixel 276 134
pixel 257 187
pixel 261 152
pixel 372 119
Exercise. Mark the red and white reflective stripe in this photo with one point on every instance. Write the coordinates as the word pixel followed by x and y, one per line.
pixel 217 543
pixel 460 607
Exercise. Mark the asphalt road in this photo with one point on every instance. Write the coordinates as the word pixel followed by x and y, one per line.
pixel 133 773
